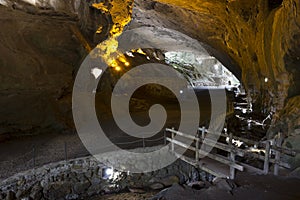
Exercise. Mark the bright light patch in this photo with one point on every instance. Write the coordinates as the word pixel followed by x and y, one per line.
pixel 114 63
pixel 266 80
pixel 32 2
pixel 140 51
pixel 256 150
pixel 201 70
pixel 130 54
pixel 235 142
pixel 3 2
pixel 99 30
pixel 96 72
pixel 100 6
pixel 118 68
pixel 127 64
pixel 216 67
pixel 122 59
pixel 107 173
pixel 181 91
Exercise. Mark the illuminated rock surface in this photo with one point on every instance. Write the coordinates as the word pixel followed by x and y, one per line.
pixel 43 44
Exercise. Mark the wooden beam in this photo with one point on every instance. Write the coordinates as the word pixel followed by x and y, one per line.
pixel 209 155
pixel 232 158
pixel 172 143
pixel 271 160
pixel 221 159
pixel 181 144
pixel 223 147
pixel 267 158
pixel 202 167
pixel 251 168
pixel 183 134
pixel 278 154
pixel 208 142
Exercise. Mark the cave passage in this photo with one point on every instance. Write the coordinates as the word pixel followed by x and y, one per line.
pixel 211 87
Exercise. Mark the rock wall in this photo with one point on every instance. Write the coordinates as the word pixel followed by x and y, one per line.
pixel 39 55
pixel 84 177
pixel 42 46
pixel 254 36
pixel 258 39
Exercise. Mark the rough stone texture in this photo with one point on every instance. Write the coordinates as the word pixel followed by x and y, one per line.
pixel 245 187
pixel 290 125
pixel 290 116
pixel 39 56
pixel 82 178
pixel 42 46
pixel 254 39
pixel 247 36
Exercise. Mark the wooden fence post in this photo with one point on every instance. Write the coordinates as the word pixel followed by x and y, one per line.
pixel 172 137
pixel 202 138
pixel 203 133
pixel 232 157
pixel 165 137
pixel 277 154
pixel 197 148
pixel 267 158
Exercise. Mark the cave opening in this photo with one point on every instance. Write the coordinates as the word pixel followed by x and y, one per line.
pixel 201 72
pixel 239 57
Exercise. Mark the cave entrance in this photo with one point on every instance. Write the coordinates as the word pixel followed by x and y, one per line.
pixel 202 71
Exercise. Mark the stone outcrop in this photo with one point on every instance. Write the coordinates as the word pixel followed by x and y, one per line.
pixel 39 56
pixel 42 45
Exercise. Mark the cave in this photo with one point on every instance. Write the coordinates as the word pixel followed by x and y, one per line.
pixel 149 99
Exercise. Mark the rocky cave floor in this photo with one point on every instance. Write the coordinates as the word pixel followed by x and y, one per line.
pixel 246 186
pixel 18 154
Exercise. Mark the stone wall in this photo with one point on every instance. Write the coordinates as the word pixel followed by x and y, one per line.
pixel 83 177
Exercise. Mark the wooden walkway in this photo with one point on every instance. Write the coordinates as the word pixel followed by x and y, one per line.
pixel 214 162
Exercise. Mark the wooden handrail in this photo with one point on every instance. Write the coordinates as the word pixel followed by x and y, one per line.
pixel 282 150
pixel 209 142
pixel 183 134
pixel 269 145
pixel 209 155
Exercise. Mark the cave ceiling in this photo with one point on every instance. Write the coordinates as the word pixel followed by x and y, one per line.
pixel 254 39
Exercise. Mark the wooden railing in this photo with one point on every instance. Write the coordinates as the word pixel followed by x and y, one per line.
pixel 271 148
